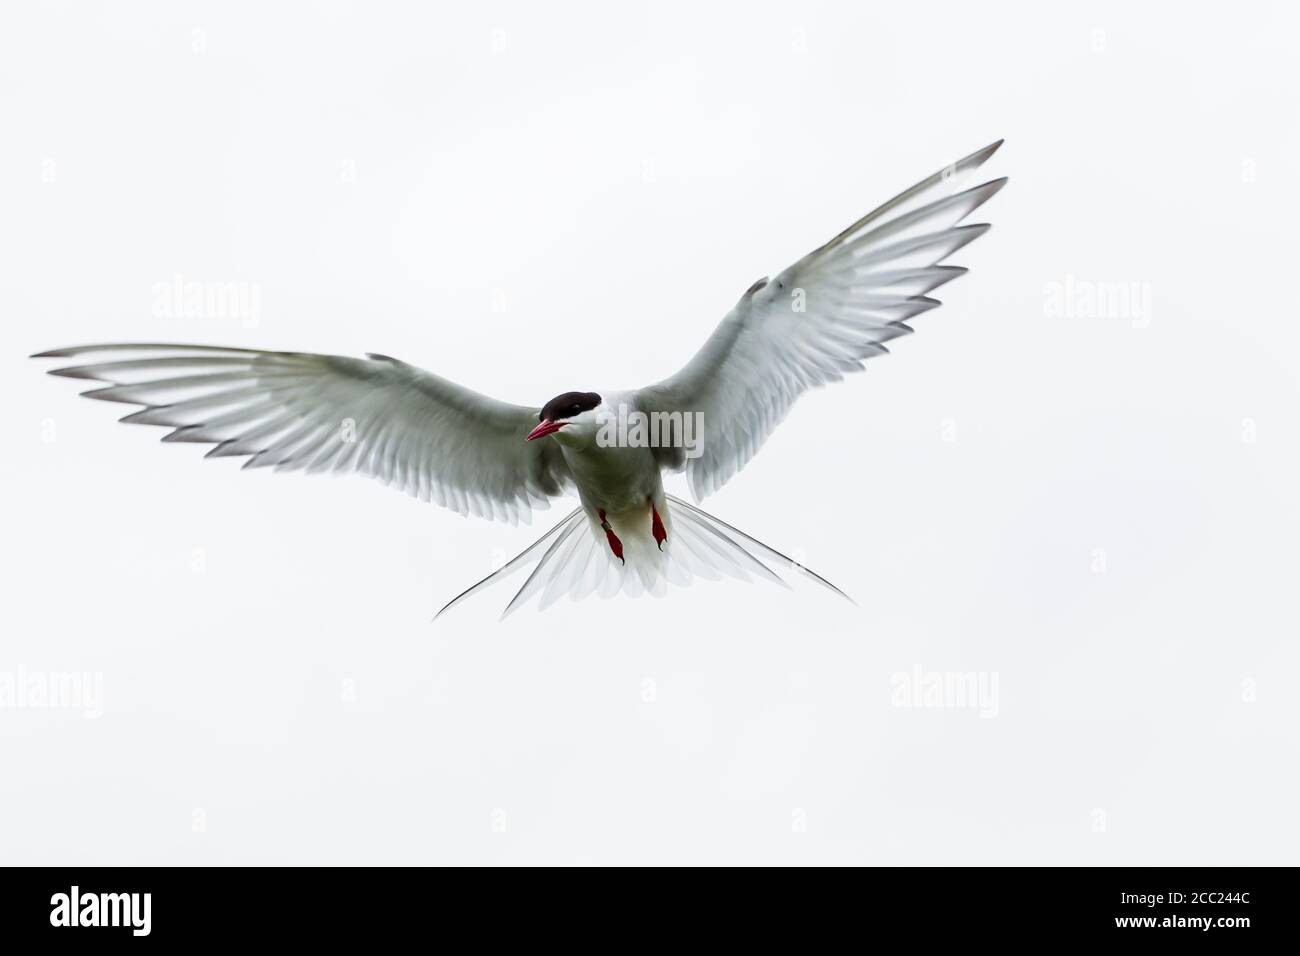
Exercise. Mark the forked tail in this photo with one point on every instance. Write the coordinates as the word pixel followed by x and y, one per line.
pixel 575 560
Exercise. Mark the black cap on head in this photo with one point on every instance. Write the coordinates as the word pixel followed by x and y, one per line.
pixel 568 405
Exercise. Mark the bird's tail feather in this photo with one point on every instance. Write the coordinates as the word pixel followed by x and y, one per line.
pixel 510 567
pixel 754 544
pixel 577 560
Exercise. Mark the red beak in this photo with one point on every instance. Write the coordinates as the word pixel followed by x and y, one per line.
pixel 544 429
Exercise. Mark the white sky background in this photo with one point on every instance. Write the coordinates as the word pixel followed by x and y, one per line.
pixel 1098 510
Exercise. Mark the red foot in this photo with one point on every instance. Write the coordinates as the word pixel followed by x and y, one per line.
pixel 615 545
pixel 657 527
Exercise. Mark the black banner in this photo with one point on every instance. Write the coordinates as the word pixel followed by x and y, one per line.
pixel 1173 906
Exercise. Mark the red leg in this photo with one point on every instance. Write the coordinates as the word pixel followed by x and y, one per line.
pixel 657 527
pixel 615 545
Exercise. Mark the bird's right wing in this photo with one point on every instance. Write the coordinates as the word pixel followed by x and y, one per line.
pixel 817 320
pixel 296 411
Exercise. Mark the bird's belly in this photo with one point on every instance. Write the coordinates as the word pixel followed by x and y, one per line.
pixel 615 479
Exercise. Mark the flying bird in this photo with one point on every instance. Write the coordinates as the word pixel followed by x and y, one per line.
pixel 808 325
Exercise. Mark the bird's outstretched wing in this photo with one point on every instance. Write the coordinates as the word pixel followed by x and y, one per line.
pixel 817 320
pixel 295 411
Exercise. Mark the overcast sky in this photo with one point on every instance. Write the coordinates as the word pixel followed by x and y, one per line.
pixel 1067 508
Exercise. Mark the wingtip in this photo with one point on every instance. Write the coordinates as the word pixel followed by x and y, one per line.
pixel 443 610
pixel 182 434
pixel 71 371
pixel 978 157
pixel 986 190
pixel 108 393
pixel 69 351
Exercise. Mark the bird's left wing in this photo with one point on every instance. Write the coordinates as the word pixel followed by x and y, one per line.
pixel 295 411
pixel 817 320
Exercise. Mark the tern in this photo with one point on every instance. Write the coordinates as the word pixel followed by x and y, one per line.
pixel 808 325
